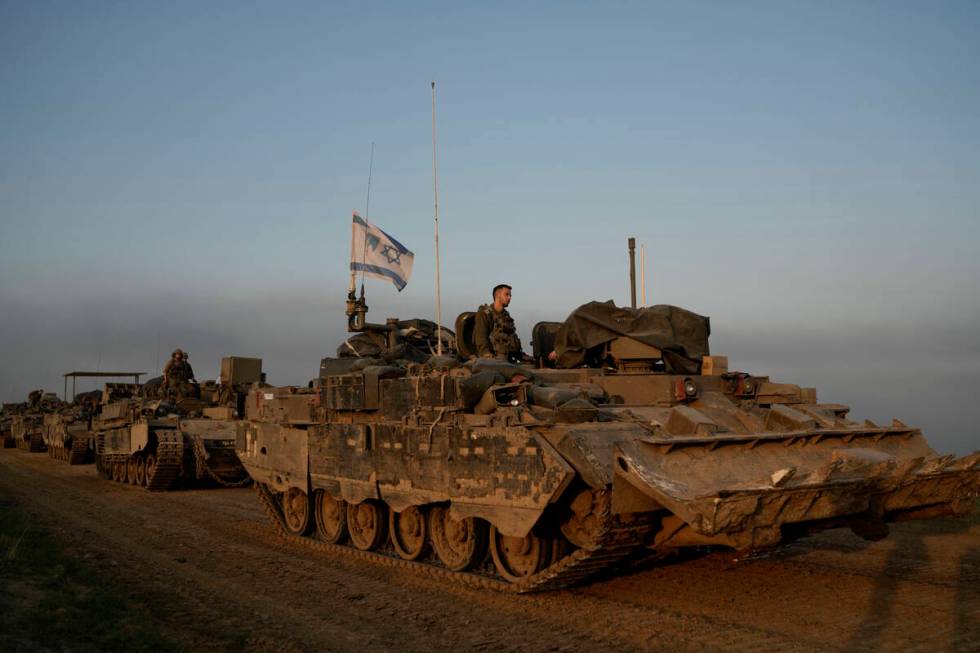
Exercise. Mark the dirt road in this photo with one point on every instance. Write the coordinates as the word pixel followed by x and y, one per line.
pixel 217 577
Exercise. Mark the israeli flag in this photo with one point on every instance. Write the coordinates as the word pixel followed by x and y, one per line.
pixel 376 254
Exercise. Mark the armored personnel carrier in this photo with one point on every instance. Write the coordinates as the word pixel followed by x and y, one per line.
pixel 27 424
pixel 638 443
pixel 68 434
pixel 163 443
pixel 7 423
pixel 28 432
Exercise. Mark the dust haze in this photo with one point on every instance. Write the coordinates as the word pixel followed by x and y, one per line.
pixel 925 374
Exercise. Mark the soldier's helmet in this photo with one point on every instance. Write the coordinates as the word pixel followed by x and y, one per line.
pixel 178 351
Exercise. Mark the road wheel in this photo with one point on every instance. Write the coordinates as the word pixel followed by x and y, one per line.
pixel 297 511
pixel 131 471
pixel 517 558
pixel 460 544
pixel 151 467
pixel 367 524
pixel 331 517
pixel 409 532
pixel 141 471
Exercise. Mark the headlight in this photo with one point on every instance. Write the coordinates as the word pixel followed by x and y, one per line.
pixel 746 386
pixel 690 389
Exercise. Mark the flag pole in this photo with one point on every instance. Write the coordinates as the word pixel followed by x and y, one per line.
pixel 367 202
pixel 435 192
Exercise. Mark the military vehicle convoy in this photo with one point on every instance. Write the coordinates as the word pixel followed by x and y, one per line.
pixel 147 439
pixel 638 442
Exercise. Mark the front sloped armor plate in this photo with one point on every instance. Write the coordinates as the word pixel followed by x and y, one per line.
pixel 745 490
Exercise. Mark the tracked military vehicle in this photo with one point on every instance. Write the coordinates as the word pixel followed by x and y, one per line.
pixel 7 423
pixel 68 434
pixel 524 478
pixel 27 422
pixel 162 443
pixel 27 431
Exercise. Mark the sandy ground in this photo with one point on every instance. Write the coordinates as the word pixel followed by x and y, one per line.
pixel 216 577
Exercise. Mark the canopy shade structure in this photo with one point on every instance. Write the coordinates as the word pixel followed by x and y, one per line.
pixel 75 375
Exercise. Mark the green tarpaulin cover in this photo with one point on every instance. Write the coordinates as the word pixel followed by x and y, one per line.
pixel 681 335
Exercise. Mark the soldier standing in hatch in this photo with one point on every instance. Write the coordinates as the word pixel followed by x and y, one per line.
pixel 34 400
pixel 177 375
pixel 494 331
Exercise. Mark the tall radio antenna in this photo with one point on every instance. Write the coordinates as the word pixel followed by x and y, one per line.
pixel 367 214
pixel 435 192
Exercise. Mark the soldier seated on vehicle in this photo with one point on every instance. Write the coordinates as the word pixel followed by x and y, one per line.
pixel 494 331
pixel 178 377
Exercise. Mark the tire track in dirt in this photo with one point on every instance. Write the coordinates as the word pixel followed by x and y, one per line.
pixel 209 559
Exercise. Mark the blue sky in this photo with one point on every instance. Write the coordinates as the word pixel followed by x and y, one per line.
pixel 808 174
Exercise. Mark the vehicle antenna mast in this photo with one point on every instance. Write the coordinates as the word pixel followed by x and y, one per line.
pixel 367 214
pixel 435 192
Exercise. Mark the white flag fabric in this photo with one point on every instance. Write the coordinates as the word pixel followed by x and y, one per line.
pixel 377 254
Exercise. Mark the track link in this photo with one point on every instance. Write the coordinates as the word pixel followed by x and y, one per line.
pixel 169 460
pixel 615 542
pixel 78 455
pixel 33 444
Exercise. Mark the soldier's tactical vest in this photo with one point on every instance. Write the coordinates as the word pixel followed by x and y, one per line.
pixel 179 372
pixel 503 333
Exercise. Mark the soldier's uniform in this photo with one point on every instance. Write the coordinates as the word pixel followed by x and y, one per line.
pixel 496 335
pixel 34 400
pixel 178 376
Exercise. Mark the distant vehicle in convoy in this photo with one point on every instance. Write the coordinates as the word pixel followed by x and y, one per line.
pixel 68 432
pixel 7 422
pixel 26 420
pixel 145 437
pixel 644 444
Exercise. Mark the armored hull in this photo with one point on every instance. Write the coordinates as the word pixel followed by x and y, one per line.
pixel 69 438
pixel 533 479
pixel 161 443
pixel 27 432
pixel 168 451
pixel 7 434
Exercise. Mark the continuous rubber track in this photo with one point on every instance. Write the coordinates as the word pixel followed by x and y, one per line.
pixel 219 577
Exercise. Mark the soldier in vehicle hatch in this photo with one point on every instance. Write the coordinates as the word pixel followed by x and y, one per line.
pixel 494 331
pixel 178 375
pixel 34 400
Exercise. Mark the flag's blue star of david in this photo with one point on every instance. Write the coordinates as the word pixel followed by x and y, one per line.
pixel 391 254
